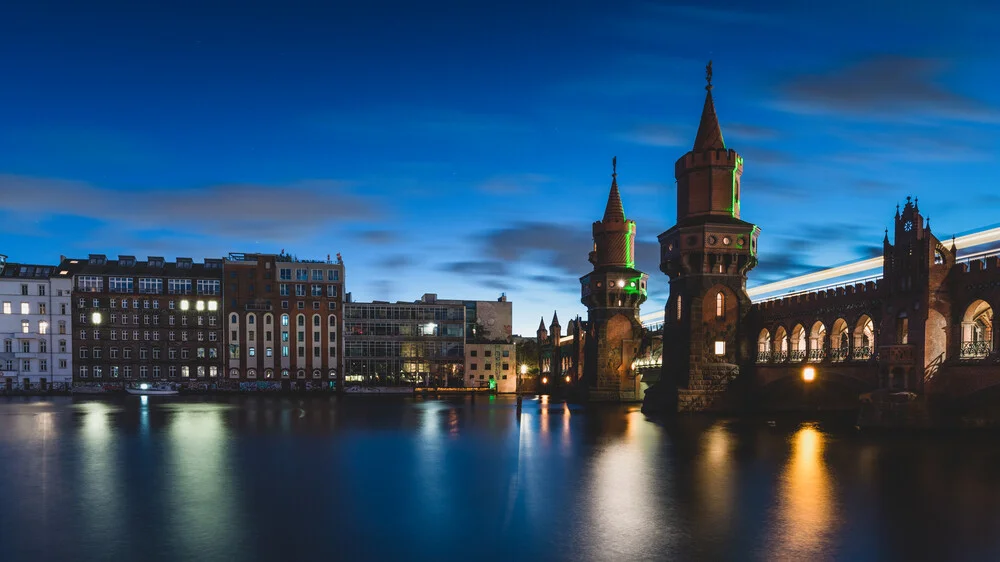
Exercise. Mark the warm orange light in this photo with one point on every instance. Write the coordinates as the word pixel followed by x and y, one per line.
pixel 545 380
pixel 567 378
pixel 809 374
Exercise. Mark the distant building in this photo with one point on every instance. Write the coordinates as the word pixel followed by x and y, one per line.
pixel 418 343
pixel 150 319
pixel 284 319
pixel 34 327
pixel 430 342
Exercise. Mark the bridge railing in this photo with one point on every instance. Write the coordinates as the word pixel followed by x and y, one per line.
pixel 839 354
pixel 764 356
pixel 972 350
pixel 797 355
pixel 862 353
pixel 816 355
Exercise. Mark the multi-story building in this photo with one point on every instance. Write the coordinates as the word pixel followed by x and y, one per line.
pixel 418 343
pixel 431 342
pixel 490 356
pixel 148 319
pixel 34 327
pixel 284 319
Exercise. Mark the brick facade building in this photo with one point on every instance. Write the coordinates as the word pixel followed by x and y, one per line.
pixel 150 319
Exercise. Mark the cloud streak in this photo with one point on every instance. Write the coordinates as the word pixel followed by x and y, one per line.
pixel 231 210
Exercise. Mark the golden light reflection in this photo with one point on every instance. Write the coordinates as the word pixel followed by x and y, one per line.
pixel 715 479
pixel 618 500
pixel 99 470
pixel 805 517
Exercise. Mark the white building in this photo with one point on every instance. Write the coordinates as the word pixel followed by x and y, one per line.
pixel 36 352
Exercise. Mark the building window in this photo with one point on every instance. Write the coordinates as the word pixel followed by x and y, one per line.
pixel 25 346
pixel 42 309
pixel 268 352
pixel 333 275
pixel 720 305
pixel 25 326
pixel 25 308
pixel 720 348
pixel 679 306
pixel 6 307
pixel 24 289
pixel 285 274
pixel 43 327
pixel 252 352
pixel 301 275
pixel 62 346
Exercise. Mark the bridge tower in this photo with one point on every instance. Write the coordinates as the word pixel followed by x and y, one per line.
pixel 612 293
pixel 707 255
pixel 914 329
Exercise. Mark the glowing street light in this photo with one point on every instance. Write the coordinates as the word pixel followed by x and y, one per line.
pixel 524 369
pixel 809 374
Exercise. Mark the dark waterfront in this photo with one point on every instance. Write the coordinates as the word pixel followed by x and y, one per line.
pixel 265 478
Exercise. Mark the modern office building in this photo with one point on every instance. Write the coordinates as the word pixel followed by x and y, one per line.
pixel 34 327
pixel 430 343
pixel 284 318
pixel 150 319
pixel 419 343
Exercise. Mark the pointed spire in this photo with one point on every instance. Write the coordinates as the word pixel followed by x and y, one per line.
pixel 614 211
pixel 953 249
pixel 886 239
pixel 555 318
pixel 897 211
pixel 709 133
pixel 541 325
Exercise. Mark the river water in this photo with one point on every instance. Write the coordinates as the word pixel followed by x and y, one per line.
pixel 381 478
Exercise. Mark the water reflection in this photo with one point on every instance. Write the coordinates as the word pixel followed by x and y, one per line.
pixel 201 504
pixel 805 515
pixel 99 472
pixel 618 500
pixel 714 473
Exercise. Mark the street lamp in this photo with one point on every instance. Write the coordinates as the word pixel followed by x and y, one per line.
pixel 809 374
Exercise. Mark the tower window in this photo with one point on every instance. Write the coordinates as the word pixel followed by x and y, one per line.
pixel 720 305
pixel 720 348
pixel 678 307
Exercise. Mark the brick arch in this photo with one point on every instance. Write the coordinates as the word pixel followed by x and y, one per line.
pixel 976 325
pixel 839 376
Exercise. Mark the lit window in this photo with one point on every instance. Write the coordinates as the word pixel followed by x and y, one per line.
pixel 720 305
pixel 185 305
pixel 720 348
pixel 25 308
pixel 213 305
pixel 43 327
pixel 200 305
pixel 6 307
pixel 95 318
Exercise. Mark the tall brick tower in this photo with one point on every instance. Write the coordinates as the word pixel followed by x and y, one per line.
pixel 707 255
pixel 612 294
pixel 912 338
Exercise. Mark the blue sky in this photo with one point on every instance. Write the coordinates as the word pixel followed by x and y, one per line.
pixel 464 148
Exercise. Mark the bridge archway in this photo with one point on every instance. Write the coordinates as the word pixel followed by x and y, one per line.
pixel 977 330
pixel 840 340
pixel 764 344
pixel 864 337
pixel 780 344
pixel 798 352
pixel 817 341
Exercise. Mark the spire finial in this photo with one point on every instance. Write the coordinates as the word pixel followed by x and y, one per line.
pixel 708 75
pixel 614 166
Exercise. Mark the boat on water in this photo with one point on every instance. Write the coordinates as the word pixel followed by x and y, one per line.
pixel 146 389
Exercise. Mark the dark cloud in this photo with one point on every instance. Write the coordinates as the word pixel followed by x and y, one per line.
pixel 748 132
pixel 377 237
pixel 866 251
pixel 766 157
pixel 230 210
pixel 485 268
pixel 398 261
pixel 885 88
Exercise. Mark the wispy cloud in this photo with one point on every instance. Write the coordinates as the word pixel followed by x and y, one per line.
pixel 513 184
pixel 657 135
pixel 234 210
pixel 885 88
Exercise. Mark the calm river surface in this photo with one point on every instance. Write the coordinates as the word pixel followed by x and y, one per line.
pixel 285 479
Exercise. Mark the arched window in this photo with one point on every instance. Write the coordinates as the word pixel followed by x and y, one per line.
pixel 300 320
pixel 251 319
pixel 234 319
pixel 284 319
pixel 977 331
pixel 316 320
pixel 333 322
pixel 267 319
pixel 720 305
